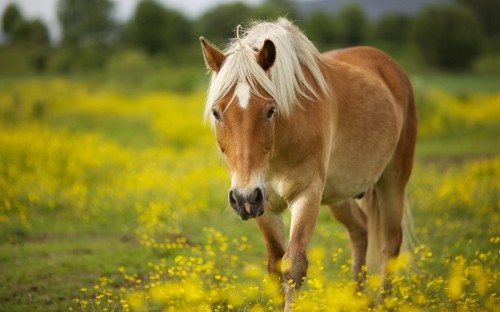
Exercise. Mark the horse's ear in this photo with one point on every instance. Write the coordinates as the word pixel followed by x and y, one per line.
pixel 266 55
pixel 213 56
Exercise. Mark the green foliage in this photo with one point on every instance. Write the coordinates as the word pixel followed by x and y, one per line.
pixel 87 29
pixel 354 24
pixel 487 13
pixel 156 29
pixel 85 22
pixel 91 39
pixel 322 29
pixel 69 59
pixel 272 9
pixel 31 32
pixel 129 63
pixel 448 36
pixel 219 23
pixel 393 28
pixel 20 30
pixel 10 18
pixel 30 36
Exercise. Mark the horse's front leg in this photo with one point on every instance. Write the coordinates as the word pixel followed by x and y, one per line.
pixel 304 210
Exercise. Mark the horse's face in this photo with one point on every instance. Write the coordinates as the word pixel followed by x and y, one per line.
pixel 245 130
pixel 245 134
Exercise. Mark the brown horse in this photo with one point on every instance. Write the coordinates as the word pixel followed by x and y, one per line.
pixel 298 129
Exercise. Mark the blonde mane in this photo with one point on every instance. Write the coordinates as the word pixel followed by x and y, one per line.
pixel 285 81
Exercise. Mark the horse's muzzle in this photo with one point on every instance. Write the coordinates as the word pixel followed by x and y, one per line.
pixel 247 205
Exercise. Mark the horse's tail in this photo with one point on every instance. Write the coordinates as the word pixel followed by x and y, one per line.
pixel 410 239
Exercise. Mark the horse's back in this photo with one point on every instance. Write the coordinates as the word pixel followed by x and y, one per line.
pixel 375 62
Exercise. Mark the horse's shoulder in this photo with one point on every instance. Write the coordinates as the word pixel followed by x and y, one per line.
pixel 362 57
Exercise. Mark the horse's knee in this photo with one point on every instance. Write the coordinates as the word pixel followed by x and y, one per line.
pixel 294 269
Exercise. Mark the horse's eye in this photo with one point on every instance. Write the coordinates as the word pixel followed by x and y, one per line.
pixel 216 114
pixel 270 112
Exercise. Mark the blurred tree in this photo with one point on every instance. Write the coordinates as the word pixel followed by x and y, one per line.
pixel 219 23
pixel 30 32
pixel 19 30
pixel 86 22
pixel 448 36
pixel 35 35
pixel 323 29
pixel 11 17
pixel 393 28
pixel 87 31
pixel 487 13
pixel 272 9
pixel 353 23
pixel 156 29
pixel 29 37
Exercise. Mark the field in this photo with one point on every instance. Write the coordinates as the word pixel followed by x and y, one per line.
pixel 115 200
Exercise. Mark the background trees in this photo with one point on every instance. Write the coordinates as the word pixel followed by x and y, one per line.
pixel 449 37
pixel 353 22
pixel 87 31
pixel 11 17
pixel 29 36
pixel 156 29
pixel 323 29
pixel 85 22
pixel 20 30
pixel 219 23
pixel 393 28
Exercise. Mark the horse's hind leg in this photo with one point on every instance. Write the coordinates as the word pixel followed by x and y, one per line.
pixel 385 205
pixel 385 234
pixel 354 219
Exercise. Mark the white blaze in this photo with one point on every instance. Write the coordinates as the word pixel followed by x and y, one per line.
pixel 246 186
pixel 243 94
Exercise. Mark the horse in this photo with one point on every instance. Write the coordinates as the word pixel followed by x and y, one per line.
pixel 298 129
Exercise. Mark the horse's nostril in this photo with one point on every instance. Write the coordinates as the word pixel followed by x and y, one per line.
pixel 257 197
pixel 233 201
pixel 252 196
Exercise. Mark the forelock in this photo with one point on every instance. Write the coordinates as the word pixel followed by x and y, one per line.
pixel 284 82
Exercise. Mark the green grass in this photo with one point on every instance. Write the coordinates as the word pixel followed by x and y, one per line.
pixel 479 142
pixel 459 83
pixel 46 264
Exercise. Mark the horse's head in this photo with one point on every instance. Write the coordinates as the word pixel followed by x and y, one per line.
pixel 244 124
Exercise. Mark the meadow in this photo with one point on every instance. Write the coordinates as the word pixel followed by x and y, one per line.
pixel 115 200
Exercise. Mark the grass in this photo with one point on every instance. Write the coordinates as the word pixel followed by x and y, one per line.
pixel 458 83
pixel 45 264
pixel 117 202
